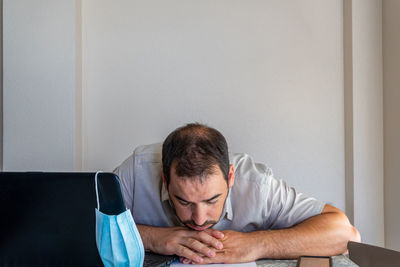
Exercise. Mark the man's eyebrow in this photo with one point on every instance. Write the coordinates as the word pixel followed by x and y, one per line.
pixel 206 200
pixel 211 199
pixel 181 199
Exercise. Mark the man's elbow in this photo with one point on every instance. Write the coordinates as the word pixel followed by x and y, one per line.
pixel 355 235
pixel 352 234
pixel 349 232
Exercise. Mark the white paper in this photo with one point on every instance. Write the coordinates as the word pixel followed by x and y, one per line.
pixel 247 264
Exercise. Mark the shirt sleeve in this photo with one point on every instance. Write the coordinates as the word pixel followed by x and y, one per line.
pixel 286 207
pixel 125 172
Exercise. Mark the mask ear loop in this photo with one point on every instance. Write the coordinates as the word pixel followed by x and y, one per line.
pixel 97 191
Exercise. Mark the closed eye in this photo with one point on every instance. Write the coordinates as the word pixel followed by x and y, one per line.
pixel 213 200
pixel 210 201
pixel 183 202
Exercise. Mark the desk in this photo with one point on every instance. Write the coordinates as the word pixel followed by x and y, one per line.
pixel 337 261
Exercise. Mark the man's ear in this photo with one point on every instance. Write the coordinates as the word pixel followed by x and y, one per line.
pixel 231 176
pixel 164 181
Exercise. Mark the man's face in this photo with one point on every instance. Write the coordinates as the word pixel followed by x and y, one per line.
pixel 199 202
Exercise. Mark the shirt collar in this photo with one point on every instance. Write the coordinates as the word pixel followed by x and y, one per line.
pixel 164 193
pixel 228 207
pixel 226 212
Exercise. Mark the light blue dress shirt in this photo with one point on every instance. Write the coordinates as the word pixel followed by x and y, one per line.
pixel 257 200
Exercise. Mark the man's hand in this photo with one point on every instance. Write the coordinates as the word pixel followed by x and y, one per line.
pixel 237 247
pixel 189 244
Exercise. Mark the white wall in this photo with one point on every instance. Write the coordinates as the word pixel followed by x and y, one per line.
pixel 1 85
pixel 38 85
pixel 391 82
pixel 367 105
pixel 268 74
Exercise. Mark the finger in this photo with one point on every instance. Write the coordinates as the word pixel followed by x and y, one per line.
pixel 198 247
pixel 214 233
pixel 207 239
pixel 219 258
pixel 185 261
pixel 188 254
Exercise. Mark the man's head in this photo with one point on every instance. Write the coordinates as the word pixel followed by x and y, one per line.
pixel 197 174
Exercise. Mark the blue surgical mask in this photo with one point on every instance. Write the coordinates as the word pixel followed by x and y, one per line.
pixel 117 238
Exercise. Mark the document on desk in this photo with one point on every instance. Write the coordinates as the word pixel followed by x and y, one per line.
pixel 247 264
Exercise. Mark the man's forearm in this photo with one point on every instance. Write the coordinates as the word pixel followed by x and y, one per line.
pixel 322 235
pixel 147 234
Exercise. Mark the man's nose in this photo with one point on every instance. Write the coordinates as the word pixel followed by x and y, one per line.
pixel 199 215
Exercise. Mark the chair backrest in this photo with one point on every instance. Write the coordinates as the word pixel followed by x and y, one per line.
pixel 366 255
pixel 48 219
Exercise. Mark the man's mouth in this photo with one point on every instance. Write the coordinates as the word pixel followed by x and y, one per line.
pixel 199 228
pixel 192 225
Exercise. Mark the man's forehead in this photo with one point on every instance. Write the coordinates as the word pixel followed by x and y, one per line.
pixel 210 180
pixel 196 181
pixel 197 188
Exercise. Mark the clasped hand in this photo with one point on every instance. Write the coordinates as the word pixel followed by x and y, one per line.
pixel 190 245
pixel 208 246
pixel 237 247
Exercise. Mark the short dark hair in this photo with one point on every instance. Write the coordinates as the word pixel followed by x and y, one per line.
pixel 197 149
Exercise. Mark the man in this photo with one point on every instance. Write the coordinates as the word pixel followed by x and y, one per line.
pixel 190 199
